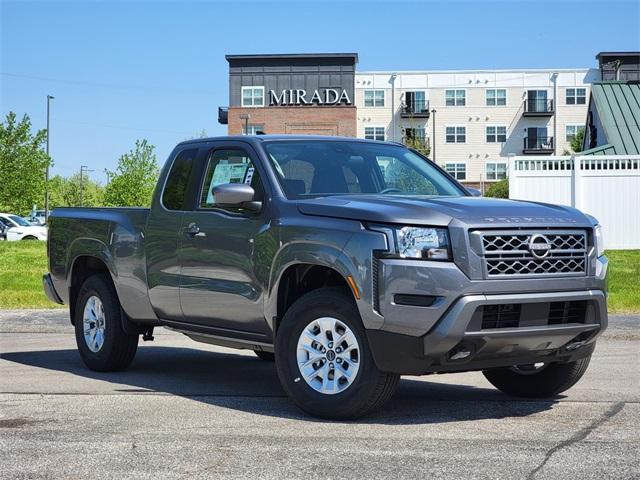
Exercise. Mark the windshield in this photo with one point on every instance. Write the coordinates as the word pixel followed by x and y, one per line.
pixel 321 167
pixel 20 221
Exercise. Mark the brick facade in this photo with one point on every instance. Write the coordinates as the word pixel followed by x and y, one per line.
pixel 314 120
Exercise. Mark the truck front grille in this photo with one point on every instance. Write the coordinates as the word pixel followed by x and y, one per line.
pixel 534 253
pixel 517 315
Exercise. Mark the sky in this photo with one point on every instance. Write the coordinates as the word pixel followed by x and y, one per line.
pixel 122 71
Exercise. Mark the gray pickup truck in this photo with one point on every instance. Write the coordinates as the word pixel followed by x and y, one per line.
pixel 348 262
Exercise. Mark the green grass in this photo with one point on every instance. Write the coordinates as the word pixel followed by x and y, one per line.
pixel 21 267
pixel 23 263
pixel 624 281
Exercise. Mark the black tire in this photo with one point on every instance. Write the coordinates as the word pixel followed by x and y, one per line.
pixel 370 389
pixel 119 348
pixel 266 356
pixel 29 237
pixel 551 380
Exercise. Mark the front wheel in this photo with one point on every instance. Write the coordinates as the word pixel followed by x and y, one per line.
pixel 323 358
pixel 102 342
pixel 537 380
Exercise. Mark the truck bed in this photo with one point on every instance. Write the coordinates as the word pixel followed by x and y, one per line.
pixel 115 236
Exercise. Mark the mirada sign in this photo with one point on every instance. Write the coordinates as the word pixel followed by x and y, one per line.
pixel 327 96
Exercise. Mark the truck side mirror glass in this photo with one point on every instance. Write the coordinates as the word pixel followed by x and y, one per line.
pixel 236 195
pixel 474 192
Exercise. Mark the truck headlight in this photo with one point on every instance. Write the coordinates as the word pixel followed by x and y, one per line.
pixel 427 243
pixel 598 240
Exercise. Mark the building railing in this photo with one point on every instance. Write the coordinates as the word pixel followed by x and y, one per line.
pixel 538 143
pixel 415 108
pixel 538 106
pixel 418 138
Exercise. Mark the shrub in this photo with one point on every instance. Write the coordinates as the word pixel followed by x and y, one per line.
pixel 499 189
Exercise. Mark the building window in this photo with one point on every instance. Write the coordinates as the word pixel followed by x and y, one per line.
pixel 415 133
pixel 374 133
pixel 253 129
pixel 374 98
pixel 416 102
pixel 572 130
pixel 576 96
pixel 496 171
pixel 455 98
pixel 496 134
pixel 253 96
pixel 457 170
pixel 496 97
pixel 456 134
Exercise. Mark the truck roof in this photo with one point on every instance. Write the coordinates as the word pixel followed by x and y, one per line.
pixel 263 138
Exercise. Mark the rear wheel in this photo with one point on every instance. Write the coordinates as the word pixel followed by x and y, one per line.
pixel 102 342
pixel 537 380
pixel 323 358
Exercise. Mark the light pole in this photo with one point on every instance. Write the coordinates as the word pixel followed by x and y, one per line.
pixel 433 135
pixel 46 175
pixel 392 80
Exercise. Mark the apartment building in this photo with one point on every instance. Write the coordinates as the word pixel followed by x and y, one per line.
pixel 473 120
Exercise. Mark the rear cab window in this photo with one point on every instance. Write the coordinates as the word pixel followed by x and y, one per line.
pixel 174 196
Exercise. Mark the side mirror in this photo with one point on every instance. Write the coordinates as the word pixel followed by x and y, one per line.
pixel 474 192
pixel 236 195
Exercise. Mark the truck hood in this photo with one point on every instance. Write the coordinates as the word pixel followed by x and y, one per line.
pixel 440 211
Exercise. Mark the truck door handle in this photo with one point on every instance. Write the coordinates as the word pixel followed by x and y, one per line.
pixel 194 231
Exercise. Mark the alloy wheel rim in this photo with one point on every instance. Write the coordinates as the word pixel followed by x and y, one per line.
pixel 328 355
pixel 93 320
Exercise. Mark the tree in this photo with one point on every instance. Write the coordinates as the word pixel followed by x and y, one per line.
pixel 133 180
pixel 499 189
pixel 418 143
pixel 65 192
pixel 576 141
pixel 22 165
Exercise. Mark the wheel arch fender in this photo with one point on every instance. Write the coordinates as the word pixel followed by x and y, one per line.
pixel 312 255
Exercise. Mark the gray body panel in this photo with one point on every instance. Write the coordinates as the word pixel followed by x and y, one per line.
pixel 223 286
pixel 113 235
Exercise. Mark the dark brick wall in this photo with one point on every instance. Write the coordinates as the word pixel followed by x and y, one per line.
pixel 297 120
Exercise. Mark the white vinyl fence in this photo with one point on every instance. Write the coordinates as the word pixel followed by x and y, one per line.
pixel 607 187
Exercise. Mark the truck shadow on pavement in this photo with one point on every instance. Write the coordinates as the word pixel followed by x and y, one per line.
pixel 246 383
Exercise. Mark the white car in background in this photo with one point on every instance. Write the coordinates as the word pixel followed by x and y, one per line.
pixel 13 227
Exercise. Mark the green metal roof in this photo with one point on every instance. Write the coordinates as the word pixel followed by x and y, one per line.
pixel 618 106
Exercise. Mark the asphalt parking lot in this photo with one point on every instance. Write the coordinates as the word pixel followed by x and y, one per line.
pixel 188 410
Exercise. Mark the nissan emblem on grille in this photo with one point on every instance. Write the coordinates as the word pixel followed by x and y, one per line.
pixel 534 253
pixel 539 246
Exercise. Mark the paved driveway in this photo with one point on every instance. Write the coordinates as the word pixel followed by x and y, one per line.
pixel 188 410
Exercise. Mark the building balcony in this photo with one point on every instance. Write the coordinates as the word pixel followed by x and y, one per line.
pixel 419 142
pixel 538 146
pixel 415 109
pixel 538 108
pixel 223 115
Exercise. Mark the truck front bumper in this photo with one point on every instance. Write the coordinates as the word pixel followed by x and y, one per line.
pixel 459 343
pixel 438 320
